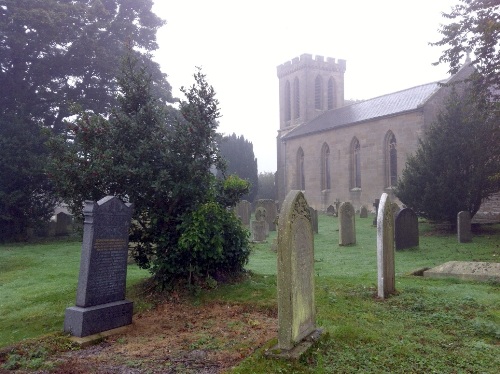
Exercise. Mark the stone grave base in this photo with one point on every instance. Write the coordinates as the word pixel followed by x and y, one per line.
pixel 89 340
pixel 82 322
pixel 296 352
pixel 477 271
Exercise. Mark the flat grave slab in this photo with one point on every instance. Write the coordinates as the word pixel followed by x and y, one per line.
pixel 478 271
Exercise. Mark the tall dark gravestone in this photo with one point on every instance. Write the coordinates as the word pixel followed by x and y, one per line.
pixel 100 297
pixel 406 229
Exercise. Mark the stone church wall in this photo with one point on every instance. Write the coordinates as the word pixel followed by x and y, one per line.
pixel 371 136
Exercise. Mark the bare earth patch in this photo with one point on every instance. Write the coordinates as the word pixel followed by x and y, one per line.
pixel 178 337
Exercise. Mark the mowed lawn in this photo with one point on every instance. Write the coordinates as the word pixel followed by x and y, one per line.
pixel 431 325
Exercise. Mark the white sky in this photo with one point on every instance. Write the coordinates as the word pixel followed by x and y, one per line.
pixel 239 44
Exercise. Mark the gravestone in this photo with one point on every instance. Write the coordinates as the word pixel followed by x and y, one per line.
pixel 363 212
pixel 271 212
pixel 464 233
pixel 347 224
pixel 63 224
pixel 330 211
pixel 259 231
pixel 100 296
pixel 244 210
pixel 406 229
pixel 314 219
pixel 296 300
pixel 385 248
pixel 375 205
pixel 261 215
pixel 337 207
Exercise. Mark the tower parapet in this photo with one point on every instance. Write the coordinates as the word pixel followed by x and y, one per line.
pixel 307 60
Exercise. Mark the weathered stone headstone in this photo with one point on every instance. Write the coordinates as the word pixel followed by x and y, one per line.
pixel 63 224
pixel 337 207
pixel 296 301
pixel 395 209
pixel 406 229
pixel 330 211
pixel 363 212
pixel 261 215
pixel 375 205
pixel 244 210
pixel 259 231
pixel 464 232
pixel 385 248
pixel 347 224
pixel 314 219
pixel 271 212
pixel 100 297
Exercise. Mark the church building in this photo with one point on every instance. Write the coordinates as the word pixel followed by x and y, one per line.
pixel 353 152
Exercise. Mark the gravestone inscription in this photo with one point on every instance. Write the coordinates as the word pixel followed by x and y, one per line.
pixel 100 298
pixel 385 248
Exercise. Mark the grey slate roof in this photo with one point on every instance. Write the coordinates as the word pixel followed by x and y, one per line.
pixel 382 106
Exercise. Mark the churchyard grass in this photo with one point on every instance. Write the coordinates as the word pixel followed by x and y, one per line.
pixel 431 325
pixel 37 283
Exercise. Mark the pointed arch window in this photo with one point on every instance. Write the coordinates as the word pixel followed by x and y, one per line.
pixel 301 180
pixel 296 98
pixel 318 93
pixel 391 160
pixel 288 108
pixel 331 94
pixel 355 164
pixel 325 167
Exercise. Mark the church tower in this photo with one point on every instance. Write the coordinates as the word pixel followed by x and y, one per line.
pixel 308 87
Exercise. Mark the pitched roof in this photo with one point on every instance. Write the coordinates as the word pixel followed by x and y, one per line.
pixel 382 106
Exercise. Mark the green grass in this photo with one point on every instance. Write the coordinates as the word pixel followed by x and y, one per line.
pixel 431 325
pixel 37 283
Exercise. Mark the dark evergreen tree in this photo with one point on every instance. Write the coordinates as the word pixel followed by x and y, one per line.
pixel 455 165
pixel 55 53
pixel 160 160
pixel 241 161
pixel 267 186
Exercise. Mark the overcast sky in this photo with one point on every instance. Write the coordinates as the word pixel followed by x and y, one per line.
pixel 239 44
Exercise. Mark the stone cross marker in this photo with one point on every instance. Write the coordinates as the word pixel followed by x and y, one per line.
pixel 385 248
pixel 296 303
pixel 406 229
pixel 100 297
pixel 464 233
pixel 347 224
pixel 363 212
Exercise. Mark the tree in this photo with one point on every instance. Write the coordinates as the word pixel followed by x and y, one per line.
pixel 27 197
pixel 53 54
pixel 159 159
pixel 455 164
pixel 267 186
pixel 57 52
pixel 475 28
pixel 240 160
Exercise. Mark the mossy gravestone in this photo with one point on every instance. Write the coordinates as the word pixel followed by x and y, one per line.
pixel 385 248
pixel 100 297
pixel 347 224
pixel 296 305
